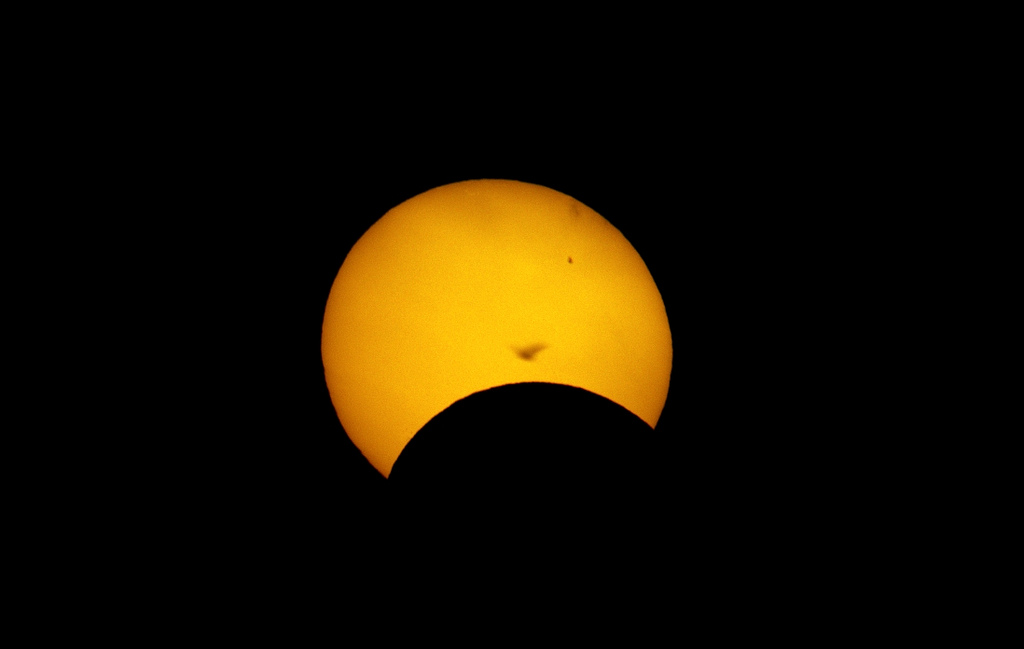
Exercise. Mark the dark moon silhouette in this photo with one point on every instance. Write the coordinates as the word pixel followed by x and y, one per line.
pixel 531 454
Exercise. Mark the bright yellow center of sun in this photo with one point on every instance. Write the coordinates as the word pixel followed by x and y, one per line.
pixel 484 283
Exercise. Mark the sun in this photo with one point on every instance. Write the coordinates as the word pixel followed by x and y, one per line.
pixel 484 283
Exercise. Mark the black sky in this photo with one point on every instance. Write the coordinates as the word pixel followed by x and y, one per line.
pixel 770 185
pixel 746 227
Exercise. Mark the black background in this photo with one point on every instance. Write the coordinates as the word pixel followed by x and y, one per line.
pixel 745 229
pixel 248 190
pixel 730 226
pixel 771 177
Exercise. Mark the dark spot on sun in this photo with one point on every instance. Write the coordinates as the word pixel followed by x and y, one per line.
pixel 570 260
pixel 527 353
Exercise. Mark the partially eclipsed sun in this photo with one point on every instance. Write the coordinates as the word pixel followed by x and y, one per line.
pixel 484 283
